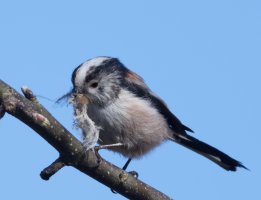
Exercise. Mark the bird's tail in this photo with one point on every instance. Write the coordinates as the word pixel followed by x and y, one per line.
pixel 208 151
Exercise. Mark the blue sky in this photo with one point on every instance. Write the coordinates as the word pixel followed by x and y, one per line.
pixel 201 57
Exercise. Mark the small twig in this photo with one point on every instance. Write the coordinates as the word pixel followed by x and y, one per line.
pixel 29 94
pixel 49 171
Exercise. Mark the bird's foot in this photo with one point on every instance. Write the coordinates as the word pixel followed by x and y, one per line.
pixel 108 146
pixel 134 174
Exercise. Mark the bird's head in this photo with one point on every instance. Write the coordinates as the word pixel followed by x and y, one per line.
pixel 98 79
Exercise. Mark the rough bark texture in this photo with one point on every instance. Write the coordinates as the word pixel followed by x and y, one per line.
pixel 72 153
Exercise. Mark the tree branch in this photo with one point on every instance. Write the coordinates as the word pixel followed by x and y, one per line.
pixel 49 171
pixel 72 152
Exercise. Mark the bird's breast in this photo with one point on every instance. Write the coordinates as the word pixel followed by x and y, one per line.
pixel 132 121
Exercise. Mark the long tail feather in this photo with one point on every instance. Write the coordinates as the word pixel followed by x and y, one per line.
pixel 208 151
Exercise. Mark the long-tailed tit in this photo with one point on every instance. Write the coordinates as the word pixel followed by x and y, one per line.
pixel 132 120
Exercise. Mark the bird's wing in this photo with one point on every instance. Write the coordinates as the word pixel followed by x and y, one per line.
pixel 137 86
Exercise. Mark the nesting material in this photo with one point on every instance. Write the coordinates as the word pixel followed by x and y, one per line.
pixel 90 131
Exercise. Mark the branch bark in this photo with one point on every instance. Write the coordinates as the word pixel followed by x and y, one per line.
pixel 72 153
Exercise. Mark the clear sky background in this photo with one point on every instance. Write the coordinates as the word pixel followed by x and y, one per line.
pixel 202 57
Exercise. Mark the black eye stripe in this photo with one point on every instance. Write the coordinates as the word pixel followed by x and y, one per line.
pixel 94 74
pixel 106 67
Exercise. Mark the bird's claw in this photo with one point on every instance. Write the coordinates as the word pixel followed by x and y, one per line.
pixel 134 174
pixel 98 156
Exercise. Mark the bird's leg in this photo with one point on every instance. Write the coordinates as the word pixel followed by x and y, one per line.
pixel 108 146
pixel 133 173
pixel 126 164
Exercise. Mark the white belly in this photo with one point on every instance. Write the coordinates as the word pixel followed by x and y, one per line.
pixel 131 121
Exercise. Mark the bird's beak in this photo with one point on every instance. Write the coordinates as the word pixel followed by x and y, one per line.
pixel 80 102
pixel 80 99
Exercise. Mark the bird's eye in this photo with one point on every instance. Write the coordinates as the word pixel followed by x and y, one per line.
pixel 94 85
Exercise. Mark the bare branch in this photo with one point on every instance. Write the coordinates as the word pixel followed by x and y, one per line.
pixel 71 150
pixel 48 172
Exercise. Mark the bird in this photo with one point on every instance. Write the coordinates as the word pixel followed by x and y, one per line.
pixel 132 120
